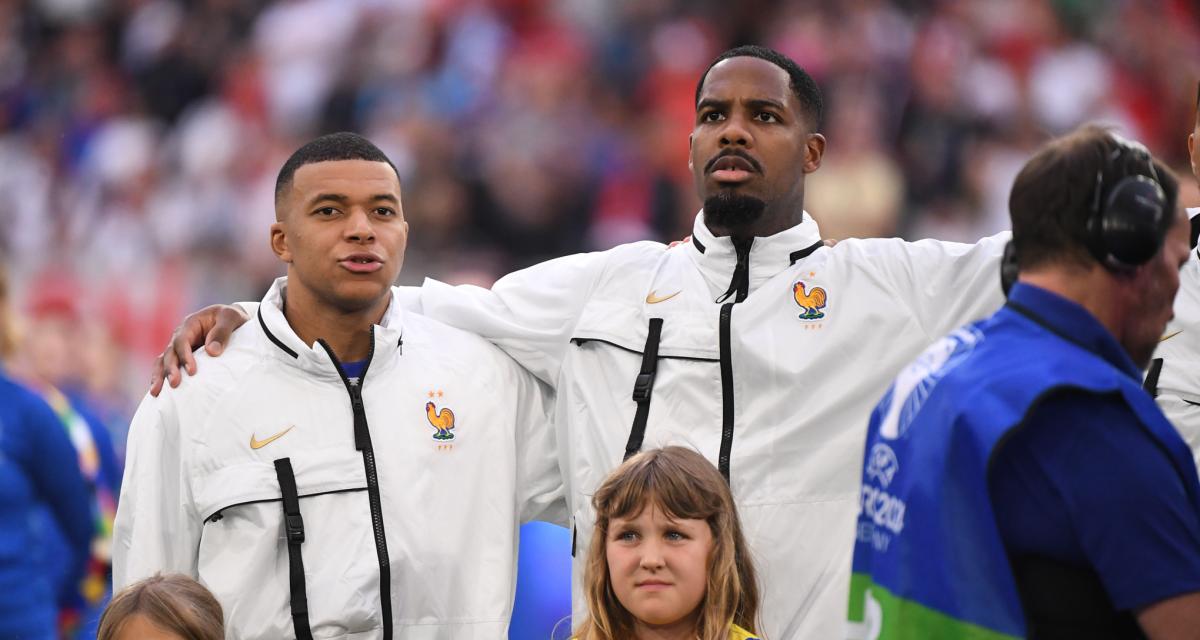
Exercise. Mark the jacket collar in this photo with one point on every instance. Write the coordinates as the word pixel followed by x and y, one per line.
pixel 313 358
pixel 716 257
pixel 1072 322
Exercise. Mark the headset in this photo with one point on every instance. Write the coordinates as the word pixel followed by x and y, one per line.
pixel 1130 219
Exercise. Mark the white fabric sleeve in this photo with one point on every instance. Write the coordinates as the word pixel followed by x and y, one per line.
pixel 249 308
pixel 1185 416
pixel 530 314
pixel 948 284
pixel 541 493
pixel 155 528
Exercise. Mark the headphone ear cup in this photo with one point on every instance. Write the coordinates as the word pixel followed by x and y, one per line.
pixel 1131 226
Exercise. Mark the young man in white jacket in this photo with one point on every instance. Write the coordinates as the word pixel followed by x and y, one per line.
pixel 751 341
pixel 346 469
pixel 1174 374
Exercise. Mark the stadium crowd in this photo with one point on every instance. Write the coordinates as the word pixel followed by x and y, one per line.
pixel 140 138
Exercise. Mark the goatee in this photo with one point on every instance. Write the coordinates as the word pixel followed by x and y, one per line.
pixel 730 210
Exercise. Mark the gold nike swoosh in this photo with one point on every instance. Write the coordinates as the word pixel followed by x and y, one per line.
pixel 1170 335
pixel 653 299
pixel 258 444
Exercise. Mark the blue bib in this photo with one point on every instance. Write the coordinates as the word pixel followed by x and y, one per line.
pixel 928 559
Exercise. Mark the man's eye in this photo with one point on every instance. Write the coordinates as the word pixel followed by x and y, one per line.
pixel 763 116
pixel 326 211
pixel 712 116
pixel 385 211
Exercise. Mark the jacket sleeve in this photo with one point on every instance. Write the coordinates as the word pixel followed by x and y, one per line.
pixel 53 469
pixel 540 488
pixel 155 528
pixel 530 314
pixel 947 284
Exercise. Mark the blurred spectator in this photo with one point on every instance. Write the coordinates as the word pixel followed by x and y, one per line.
pixel 44 509
pixel 47 359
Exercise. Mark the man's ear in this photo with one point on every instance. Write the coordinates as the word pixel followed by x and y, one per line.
pixel 1192 152
pixel 814 152
pixel 690 167
pixel 279 242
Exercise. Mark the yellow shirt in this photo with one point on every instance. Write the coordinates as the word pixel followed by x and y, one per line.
pixel 735 633
pixel 738 633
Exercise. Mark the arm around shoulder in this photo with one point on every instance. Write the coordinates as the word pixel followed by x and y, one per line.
pixel 530 313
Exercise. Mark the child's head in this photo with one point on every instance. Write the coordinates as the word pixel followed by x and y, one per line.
pixel 172 607
pixel 667 549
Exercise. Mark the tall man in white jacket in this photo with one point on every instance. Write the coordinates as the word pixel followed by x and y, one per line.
pixel 346 469
pixel 752 342
pixel 1174 374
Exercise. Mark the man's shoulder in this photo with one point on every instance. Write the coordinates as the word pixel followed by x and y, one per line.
pixel 449 345
pixel 643 252
pixel 215 375
pixel 901 248
pixel 22 404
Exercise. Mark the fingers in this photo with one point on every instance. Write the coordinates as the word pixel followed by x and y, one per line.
pixel 228 318
pixel 156 375
pixel 178 353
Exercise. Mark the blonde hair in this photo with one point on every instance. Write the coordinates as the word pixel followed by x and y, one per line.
pixel 685 486
pixel 176 603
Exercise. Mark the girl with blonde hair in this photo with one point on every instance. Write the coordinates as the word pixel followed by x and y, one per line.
pixel 668 558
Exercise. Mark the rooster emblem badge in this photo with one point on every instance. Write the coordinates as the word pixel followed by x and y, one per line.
pixel 440 419
pixel 811 301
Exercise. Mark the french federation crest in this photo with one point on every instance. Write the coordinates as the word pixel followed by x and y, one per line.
pixel 442 420
pixel 811 300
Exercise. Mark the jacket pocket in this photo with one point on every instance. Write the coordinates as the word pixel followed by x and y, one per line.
pixel 243 554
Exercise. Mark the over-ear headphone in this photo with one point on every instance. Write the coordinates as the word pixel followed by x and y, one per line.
pixel 1130 219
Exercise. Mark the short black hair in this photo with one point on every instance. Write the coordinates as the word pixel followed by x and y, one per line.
pixel 803 86
pixel 343 145
pixel 1054 194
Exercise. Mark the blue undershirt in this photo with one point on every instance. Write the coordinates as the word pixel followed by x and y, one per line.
pixel 1082 482
pixel 354 369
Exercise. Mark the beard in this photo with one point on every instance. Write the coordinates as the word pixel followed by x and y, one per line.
pixel 729 210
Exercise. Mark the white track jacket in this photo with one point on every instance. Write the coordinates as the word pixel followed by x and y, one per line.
pixel 410 487
pixel 1174 375
pixel 769 363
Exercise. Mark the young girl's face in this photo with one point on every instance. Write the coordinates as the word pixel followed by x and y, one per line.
pixel 659 566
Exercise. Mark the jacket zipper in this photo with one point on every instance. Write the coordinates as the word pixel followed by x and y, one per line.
pixel 739 288
pixel 362 442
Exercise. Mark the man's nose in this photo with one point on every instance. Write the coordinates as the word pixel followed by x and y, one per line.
pixel 358 226
pixel 736 132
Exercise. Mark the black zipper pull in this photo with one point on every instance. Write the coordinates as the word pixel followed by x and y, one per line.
pixel 739 284
pixel 360 417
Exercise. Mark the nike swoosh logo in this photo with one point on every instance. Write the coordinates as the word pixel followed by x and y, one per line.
pixel 653 299
pixel 258 444
pixel 1169 336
